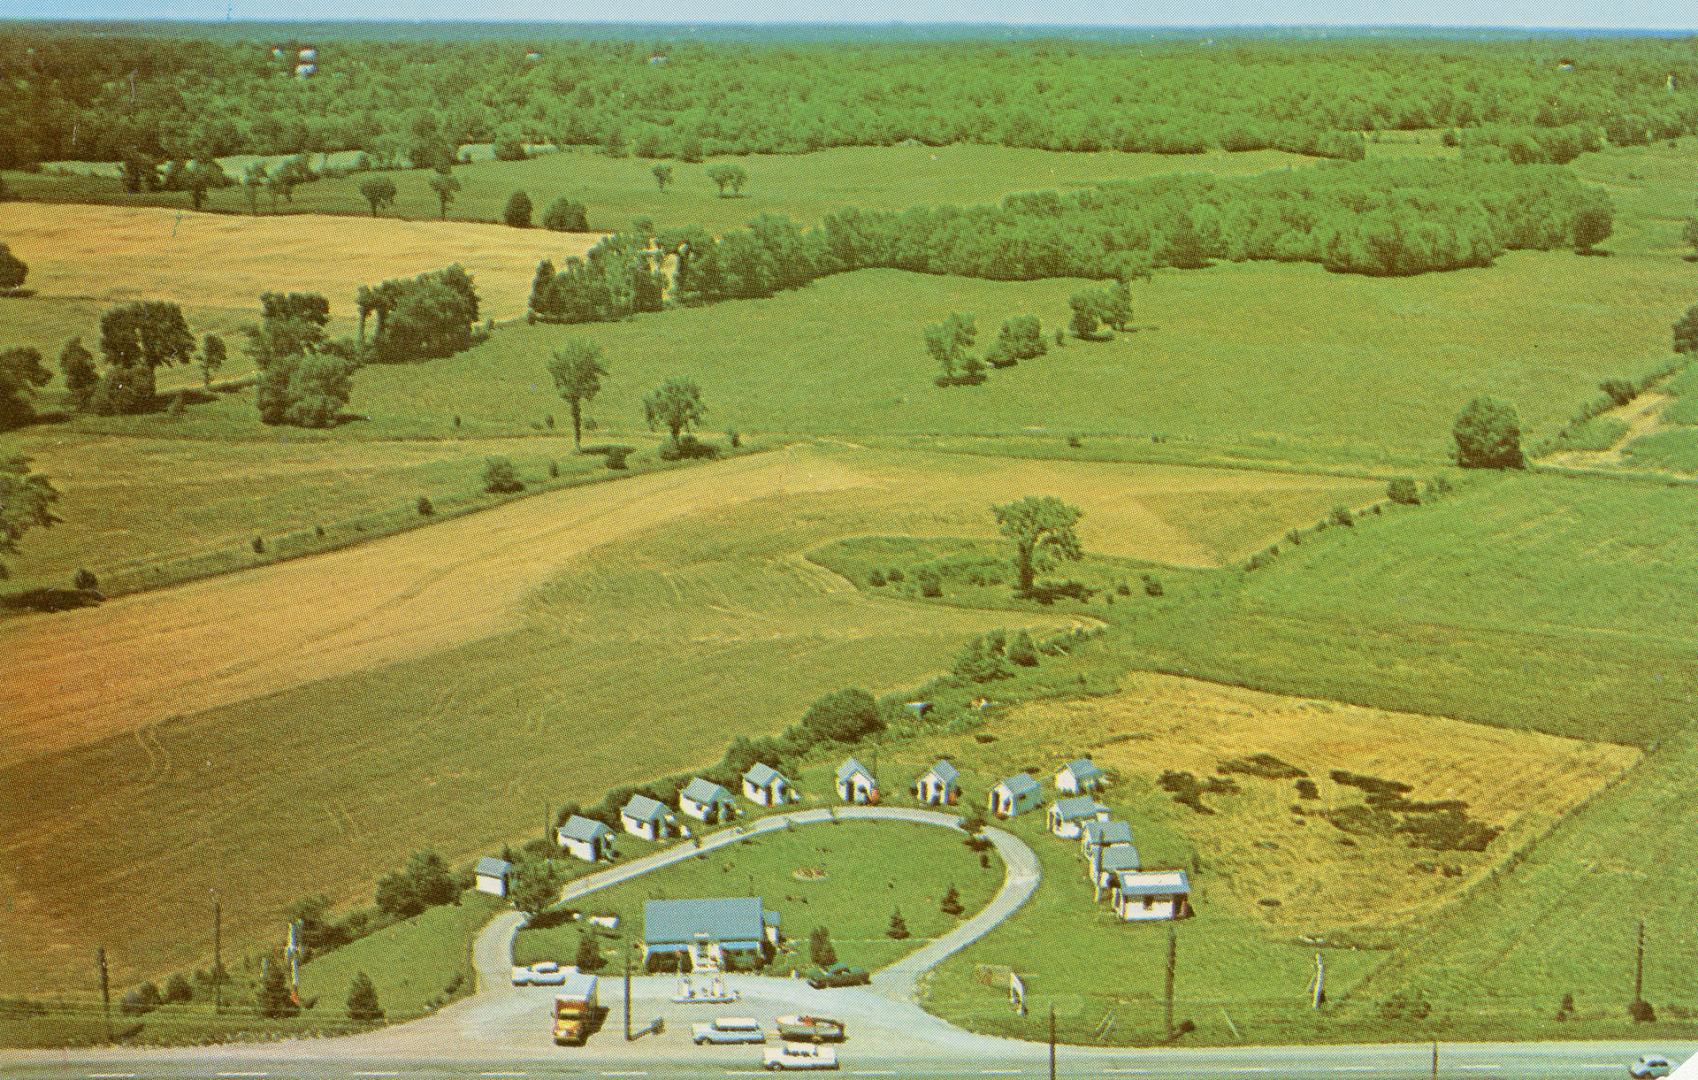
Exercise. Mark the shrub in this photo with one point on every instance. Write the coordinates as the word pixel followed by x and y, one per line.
pixel 951 902
pixel 424 507
pixel 1306 789
pixel 1619 391
pixel 500 477
pixel 1123 589
pixel 895 575
pixel 820 949
pixel 930 583
pixel 178 990
pixel 518 212
pixel 1152 587
pixel 1341 515
pixel 258 544
pixel 842 716
pixel 898 927
pixel 566 215
pixel 876 579
pixel 143 999
pixel 1642 1012
pixel 589 958
pixel 1488 436
pixel 554 470
pixel 616 457
pixel 84 579
pixel 1403 491
pixel 1021 651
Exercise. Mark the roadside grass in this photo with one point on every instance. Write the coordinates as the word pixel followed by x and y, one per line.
pixel 866 870
pixel 1251 359
pixel 617 191
pixel 114 254
pixel 188 507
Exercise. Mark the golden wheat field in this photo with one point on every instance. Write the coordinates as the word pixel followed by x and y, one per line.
pixel 1256 850
pixel 120 253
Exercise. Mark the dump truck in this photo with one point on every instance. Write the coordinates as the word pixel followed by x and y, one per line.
pixel 575 1010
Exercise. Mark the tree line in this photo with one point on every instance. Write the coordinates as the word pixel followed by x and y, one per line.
pixel 118 96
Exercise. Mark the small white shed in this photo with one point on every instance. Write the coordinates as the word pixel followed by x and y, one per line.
pixel 491 875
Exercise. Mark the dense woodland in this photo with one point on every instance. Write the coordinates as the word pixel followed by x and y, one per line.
pixel 84 96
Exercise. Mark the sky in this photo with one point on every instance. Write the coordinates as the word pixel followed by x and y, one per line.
pixel 1555 14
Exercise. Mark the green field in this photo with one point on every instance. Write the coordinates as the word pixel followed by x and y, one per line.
pixel 617 191
pixel 45 323
pixel 866 871
pixel 1250 359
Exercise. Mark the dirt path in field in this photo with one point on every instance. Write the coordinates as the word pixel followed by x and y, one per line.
pixel 79 676
pixel 1644 414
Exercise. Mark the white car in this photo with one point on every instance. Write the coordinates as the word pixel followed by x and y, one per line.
pixel 1650 1065
pixel 792 1055
pixel 726 1030
pixel 523 976
pixel 543 973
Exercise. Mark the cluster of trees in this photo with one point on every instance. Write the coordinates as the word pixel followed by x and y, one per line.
pixel 618 277
pixel 208 93
pixel 1109 304
pixel 420 318
pixel 1530 145
pixel 1380 218
pixel 26 502
pixel 305 379
pixel 950 344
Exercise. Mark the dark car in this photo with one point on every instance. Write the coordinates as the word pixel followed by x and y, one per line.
pixel 838 975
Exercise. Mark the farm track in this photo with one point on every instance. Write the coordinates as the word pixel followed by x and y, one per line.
pixel 80 676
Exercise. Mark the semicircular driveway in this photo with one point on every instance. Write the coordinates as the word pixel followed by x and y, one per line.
pixel 493 951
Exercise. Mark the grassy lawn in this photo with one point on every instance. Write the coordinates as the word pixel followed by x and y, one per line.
pixel 1253 359
pixel 617 191
pixel 848 877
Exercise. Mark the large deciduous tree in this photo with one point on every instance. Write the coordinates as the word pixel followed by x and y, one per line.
pixel 1042 529
pixel 729 177
pixel 1488 436
pixel 76 365
pixel 304 380
pixel 1686 331
pixel 13 270
pixel 446 185
pixel 950 344
pixel 136 340
pixel 578 371
pixel 518 212
pixel 362 1000
pixel 21 374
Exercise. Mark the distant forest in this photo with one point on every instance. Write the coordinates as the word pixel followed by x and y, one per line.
pixel 71 94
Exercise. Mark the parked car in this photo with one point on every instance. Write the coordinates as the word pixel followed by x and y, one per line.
pixel 1650 1065
pixel 542 973
pixel 809 1029
pixel 795 1055
pixel 522 976
pixel 838 975
pixel 727 1029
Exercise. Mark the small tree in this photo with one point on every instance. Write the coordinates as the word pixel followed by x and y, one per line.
pixel 76 364
pixel 589 957
pixel 212 357
pixel 662 175
pixel 446 186
pixel 728 177
pixel 362 1000
pixel 566 215
pixel 1593 224
pixel 1488 436
pixel 820 949
pixel 1021 651
pixel 676 406
pixel 13 270
pixel 500 477
pixel 578 371
pixel 273 998
pixel 1686 332
pixel 951 902
pixel 379 191
pixel 1042 529
pixel 424 506
pixel 1689 237
pixel 949 343
pixel 518 212
pixel 844 716
pixel 1404 491
pixel 898 927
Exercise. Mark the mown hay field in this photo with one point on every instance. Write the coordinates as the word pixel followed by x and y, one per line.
pixel 112 254
pixel 1264 879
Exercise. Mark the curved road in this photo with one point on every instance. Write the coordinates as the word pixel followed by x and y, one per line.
pixel 492 952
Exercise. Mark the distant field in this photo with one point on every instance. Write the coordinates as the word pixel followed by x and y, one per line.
pixel 1652 190
pixel 848 878
pixel 1263 876
pixel 1284 361
pixel 805 187
pixel 113 254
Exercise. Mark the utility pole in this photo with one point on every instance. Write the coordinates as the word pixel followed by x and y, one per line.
pixel 1435 1059
pixel 1172 962
pixel 105 989
pixel 1639 966
pixel 1052 1042
pixel 1320 986
pixel 626 949
pixel 217 953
